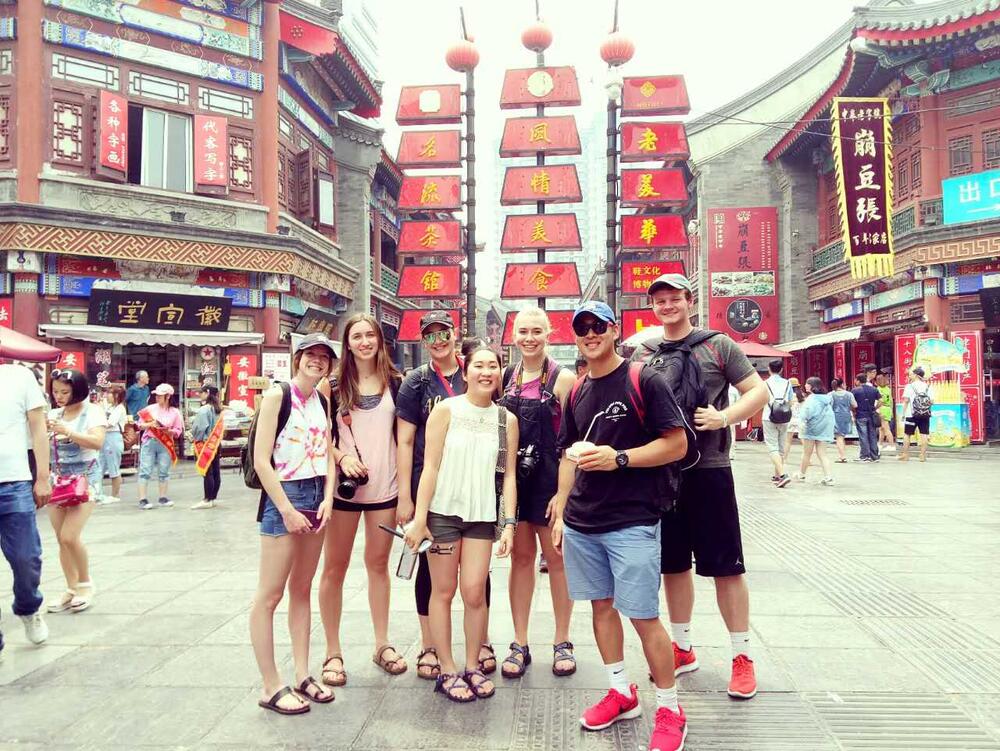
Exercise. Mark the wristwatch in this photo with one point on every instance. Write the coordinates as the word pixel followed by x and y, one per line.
pixel 509 522
pixel 621 459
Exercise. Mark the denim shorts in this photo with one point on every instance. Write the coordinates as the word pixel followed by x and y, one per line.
pixel 111 454
pixel 623 566
pixel 305 495
pixel 154 455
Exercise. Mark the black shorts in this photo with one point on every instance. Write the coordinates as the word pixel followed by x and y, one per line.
pixel 912 424
pixel 705 524
pixel 341 505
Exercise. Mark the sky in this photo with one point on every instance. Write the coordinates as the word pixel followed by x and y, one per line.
pixel 723 48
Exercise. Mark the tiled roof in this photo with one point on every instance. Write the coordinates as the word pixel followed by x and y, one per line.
pixel 923 15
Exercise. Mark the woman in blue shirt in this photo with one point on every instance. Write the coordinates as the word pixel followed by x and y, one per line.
pixel 817 429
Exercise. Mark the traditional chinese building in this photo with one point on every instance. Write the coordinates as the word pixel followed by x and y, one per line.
pixel 180 184
pixel 938 65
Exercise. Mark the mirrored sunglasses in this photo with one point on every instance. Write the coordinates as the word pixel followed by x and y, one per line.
pixel 433 337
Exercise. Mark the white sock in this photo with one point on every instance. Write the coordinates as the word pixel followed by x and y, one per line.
pixel 741 643
pixel 618 679
pixel 667 697
pixel 682 635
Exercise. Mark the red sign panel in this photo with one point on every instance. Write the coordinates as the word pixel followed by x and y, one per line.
pixel 71 360
pixel 653 232
pixel 409 327
pixel 244 367
pixel 211 148
pixel 905 347
pixel 113 132
pixel 216 278
pixel 973 357
pixel 430 281
pixel 529 87
pixel 430 238
pixel 656 95
pixel 6 312
pixel 840 363
pixel 430 192
pixel 816 364
pixel 430 148
pixel 540 232
pixel 635 320
pixel 526 136
pixel 646 187
pixel 540 280
pixel 638 275
pixel 743 276
pixel 548 183
pixel 102 268
pixel 862 353
pixel 974 398
pixel 654 142
pixel 560 320
pixel 794 365
pixel 430 105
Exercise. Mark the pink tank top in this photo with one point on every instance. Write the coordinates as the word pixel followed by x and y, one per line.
pixel 373 429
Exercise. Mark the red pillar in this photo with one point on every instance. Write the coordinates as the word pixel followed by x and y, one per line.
pixel 272 319
pixel 932 161
pixel 29 101
pixel 937 309
pixel 268 121
pixel 27 304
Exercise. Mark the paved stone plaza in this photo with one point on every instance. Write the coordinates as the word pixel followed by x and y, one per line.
pixel 876 625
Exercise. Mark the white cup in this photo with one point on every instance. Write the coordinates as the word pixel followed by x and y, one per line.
pixel 574 451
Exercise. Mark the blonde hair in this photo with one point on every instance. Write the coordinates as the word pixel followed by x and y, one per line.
pixel 533 311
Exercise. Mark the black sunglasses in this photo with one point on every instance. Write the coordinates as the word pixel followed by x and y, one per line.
pixel 581 328
pixel 62 375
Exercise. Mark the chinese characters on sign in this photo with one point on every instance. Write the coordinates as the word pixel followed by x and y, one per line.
pixel 654 142
pixel 316 320
pixel 560 320
pixel 442 281
pixel 71 361
pixel 971 198
pixel 429 148
pixel 113 132
pixel 656 95
pixel 653 232
pixel 635 320
pixel 430 238
pixel 211 146
pixel 644 187
pixel 7 312
pixel 540 280
pixel 862 136
pixel 637 276
pixel 426 192
pixel 554 136
pixel 158 310
pixel 244 367
pixel 549 183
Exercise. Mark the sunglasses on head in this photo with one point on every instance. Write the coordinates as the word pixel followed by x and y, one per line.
pixel 62 374
pixel 442 336
pixel 582 328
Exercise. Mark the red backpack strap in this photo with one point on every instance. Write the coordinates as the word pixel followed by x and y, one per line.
pixel 576 387
pixel 634 372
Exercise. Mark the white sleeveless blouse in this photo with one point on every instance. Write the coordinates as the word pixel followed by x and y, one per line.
pixel 466 480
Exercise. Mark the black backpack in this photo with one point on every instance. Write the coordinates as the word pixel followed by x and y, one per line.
pixel 922 402
pixel 677 362
pixel 781 410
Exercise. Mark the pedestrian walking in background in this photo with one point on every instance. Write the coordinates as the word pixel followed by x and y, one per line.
pixel 817 429
pixel 795 424
pixel 469 439
pixel 365 454
pixel 866 404
pixel 161 424
pixel 843 403
pixel 535 393
pixel 77 427
pixel 776 418
pixel 23 427
pixel 917 404
pixel 885 410
pixel 295 465
pixel 137 395
pixel 114 442
pixel 207 421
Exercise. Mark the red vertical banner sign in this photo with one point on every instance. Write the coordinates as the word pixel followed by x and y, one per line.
pixel 743 276
pixel 971 381
pixel 794 365
pixel 211 146
pixel 6 312
pixel 904 348
pixel 840 362
pixel 71 361
pixel 816 364
pixel 977 423
pixel 862 353
pixel 113 132
pixel 243 367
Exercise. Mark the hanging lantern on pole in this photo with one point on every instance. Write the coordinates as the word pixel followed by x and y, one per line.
pixel 462 56
pixel 617 49
pixel 537 37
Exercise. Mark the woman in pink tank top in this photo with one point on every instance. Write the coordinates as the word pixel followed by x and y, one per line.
pixel 366 487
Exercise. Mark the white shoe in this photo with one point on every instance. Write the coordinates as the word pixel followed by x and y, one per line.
pixel 83 601
pixel 63 605
pixel 826 481
pixel 109 499
pixel 799 476
pixel 35 627
pixel 203 504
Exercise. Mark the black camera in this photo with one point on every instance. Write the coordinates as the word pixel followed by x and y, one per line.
pixel 348 486
pixel 527 460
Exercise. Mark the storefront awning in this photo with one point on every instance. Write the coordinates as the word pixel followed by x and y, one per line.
pixel 115 335
pixel 850 334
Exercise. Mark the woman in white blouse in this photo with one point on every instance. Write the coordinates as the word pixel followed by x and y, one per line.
pixel 457 508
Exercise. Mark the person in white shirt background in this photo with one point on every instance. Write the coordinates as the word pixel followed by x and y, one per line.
pixel 114 442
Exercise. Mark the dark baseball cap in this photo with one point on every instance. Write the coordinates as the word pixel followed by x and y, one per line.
pixel 436 316
pixel 315 339
pixel 672 281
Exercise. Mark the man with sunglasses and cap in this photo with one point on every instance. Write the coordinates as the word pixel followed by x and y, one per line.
pixel 705 522
pixel 621 437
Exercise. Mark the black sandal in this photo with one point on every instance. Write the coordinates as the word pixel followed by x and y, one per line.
pixel 483 667
pixel 273 705
pixel 449 683
pixel 563 652
pixel 310 682
pixel 520 666
pixel 434 668
pixel 477 688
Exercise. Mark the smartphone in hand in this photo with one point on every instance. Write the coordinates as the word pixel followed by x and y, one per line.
pixel 312 517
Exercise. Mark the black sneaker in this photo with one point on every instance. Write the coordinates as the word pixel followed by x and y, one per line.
pixel 145 505
pixel 783 481
pixel 165 502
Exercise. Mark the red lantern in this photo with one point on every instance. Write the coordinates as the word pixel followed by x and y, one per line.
pixel 462 56
pixel 537 37
pixel 617 49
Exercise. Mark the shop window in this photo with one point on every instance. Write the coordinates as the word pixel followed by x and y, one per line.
pixel 991 148
pixel 903 178
pixel 326 198
pixel 163 157
pixel 960 155
pixel 915 168
pixel 67 315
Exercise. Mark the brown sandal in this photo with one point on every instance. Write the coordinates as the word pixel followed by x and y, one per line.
pixel 339 676
pixel 429 671
pixel 312 691
pixel 488 664
pixel 392 667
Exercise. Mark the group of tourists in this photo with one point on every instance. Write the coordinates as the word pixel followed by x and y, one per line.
pixel 620 476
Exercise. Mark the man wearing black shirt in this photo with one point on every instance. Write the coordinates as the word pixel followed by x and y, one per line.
pixel 866 417
pixel 615 477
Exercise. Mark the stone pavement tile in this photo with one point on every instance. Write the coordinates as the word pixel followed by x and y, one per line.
pixel 988 626
pixel 716 667
pixel 100 666
pixel 235 630
pixel 164 717
pixel 930 584
pixel 227 580
pixel 28 714
pixel 89 627
pixel 974 565
pixel 197 602
pixel 775 581
pixel 162 581
pixel 21 659
pixel 791 603
pixel 848 670
pixel 216 665
pixel 903 564
pixel 964 605
pixel 129 603
pixel 541 629
pixel 166 630
pixel 820 632
pixel 325 726
pixel 983 709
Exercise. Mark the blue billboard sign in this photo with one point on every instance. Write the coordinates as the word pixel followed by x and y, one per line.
pixel 971 198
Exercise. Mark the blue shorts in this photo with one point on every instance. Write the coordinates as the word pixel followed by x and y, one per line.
pixel 623 566
pixel 305 495
pixel 111 454
pixel 154 455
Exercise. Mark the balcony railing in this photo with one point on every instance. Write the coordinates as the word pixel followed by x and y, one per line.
pixel 390 280
pixel 828 255
pixel 904 221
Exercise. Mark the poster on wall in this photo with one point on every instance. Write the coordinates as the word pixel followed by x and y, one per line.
pixel 277 366
pixel 243 368
pixel 862 353
pixel 743 273
pixel 7 312
pixel 840 363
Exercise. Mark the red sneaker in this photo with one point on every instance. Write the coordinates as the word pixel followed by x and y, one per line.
pixel 743 684
pixel 611 708
pixel 669 731
pixel 685 661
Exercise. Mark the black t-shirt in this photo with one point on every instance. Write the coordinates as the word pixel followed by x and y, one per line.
pixel 630 497
pixel 418 394
pixel 868 399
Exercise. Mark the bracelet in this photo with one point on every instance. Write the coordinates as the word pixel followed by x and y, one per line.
pixel 725 419
pixel 509 522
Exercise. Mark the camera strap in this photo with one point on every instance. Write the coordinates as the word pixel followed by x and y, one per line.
pixel 345 416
